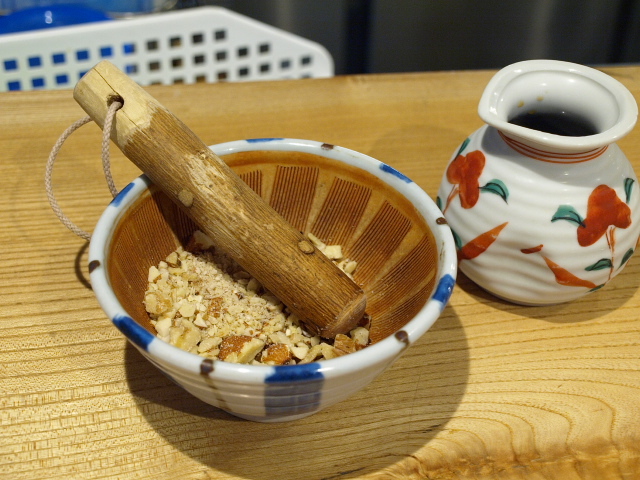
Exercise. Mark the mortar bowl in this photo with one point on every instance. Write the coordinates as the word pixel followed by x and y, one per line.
pixel 385 222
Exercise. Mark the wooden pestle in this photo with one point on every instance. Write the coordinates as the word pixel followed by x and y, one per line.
pixel 238 220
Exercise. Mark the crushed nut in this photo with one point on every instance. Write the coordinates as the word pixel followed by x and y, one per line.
pixel 343 345
pixel 200 300
pixel 276 354
pixel 185 335
pixel 360 336
pixel 154 273
pixel 172 260
pixel 333 252
pixel 215 308
pixel 240 348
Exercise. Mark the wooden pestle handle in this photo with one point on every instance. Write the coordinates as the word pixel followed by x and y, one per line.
pixel 237 219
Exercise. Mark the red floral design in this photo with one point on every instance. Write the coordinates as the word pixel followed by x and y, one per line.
pixel 604 209
pixel 465 171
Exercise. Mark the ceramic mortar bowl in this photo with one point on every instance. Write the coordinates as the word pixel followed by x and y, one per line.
pixel 406 265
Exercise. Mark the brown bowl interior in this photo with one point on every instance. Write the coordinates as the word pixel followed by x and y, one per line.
pixel 340 204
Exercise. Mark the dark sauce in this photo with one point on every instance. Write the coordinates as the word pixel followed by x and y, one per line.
pixel 564 124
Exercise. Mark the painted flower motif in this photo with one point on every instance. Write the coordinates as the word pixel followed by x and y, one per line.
pixel 604 209
pixel 605 213
pixel 464 171
pixel 464 174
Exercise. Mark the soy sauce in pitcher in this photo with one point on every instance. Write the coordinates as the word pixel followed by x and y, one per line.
pixel 556 123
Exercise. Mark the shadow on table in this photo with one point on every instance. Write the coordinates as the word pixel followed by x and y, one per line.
pixel 390 420
pixel 592 306
pixel 80 267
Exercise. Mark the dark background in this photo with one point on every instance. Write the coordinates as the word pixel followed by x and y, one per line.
pixel 371 36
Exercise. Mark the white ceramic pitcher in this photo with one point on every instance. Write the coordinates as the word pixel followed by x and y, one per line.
pixel 544 205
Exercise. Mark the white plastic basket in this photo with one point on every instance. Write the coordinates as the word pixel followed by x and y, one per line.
pixel 205 44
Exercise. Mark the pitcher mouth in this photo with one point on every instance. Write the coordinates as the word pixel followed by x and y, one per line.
pixel 550 87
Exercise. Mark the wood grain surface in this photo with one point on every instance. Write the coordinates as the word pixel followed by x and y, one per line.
pixel 492 391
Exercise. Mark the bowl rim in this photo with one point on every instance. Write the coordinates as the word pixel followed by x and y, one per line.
pixel 384 351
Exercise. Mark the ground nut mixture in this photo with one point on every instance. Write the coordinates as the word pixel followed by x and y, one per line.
pixel 202 301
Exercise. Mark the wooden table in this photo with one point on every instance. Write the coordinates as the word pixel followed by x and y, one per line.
pixel 493 390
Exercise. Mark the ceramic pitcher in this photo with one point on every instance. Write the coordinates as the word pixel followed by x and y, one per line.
pixel 544 205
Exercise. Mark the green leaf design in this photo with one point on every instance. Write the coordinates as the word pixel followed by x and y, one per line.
pixel 463 146
pixel 439 202
pixel 597 288
pixel 568 213
pixel 498 187
pixel 601 264
pixel 626 257
pixel 628 187
pixel 457 240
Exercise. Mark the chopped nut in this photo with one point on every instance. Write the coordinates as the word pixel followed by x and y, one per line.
pixel 300 351
pixel 173 260
pixel 156 303
pixel 254 285
pixel 360 336
pixel 209 343
pixel 186 336
pixel 276 354
pixel 187 310
pixel 240 348
pixel 316 241
pixel 202 301
pixel 162 327
pixel 313 353
pixel 154 273
pixel 280 337
pixel 349 266
pixel 328 352
pixel 215 307
pixel 200 322
pixel 333 252
pixel 151 303
pixel 343 345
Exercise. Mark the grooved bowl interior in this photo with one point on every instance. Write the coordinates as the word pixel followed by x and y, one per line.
pixel 404 250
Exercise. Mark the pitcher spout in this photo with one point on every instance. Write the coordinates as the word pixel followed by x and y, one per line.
pixel 557 107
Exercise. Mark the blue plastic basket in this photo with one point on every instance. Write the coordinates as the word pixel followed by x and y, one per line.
pixel 205 44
